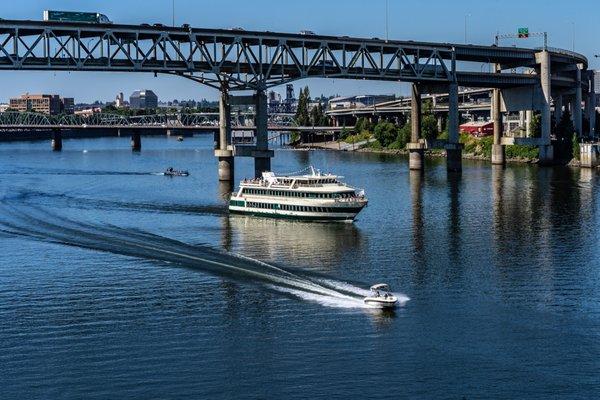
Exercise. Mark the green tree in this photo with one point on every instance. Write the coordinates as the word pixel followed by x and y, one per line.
pixel 404 135
pixel 318 117
pixel 535 125
pixel 429 127
pixel 302 114
pixel 363 125
pixel 344 133
pixel 386 133
pixel 565 137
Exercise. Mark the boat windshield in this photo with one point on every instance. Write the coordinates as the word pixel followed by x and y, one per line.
pixel 380 286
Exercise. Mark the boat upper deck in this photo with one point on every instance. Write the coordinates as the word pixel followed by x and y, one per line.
pixel 313 182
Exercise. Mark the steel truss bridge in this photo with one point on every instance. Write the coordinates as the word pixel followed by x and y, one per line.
pixel 12 120
pixel 254 60
pixel 198 121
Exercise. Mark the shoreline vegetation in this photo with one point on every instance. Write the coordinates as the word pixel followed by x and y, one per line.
pixel 474 148
pixel 391 138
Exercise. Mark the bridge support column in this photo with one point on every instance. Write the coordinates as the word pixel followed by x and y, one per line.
pixel 546 149
pixel 558 109
pixel 56 139
pixel 136 141
pixel 591 104
pixel 498 157
pixel 522 120
pixel 224 152
pixel 416 147
pixel 528 119
pixel 453 148
pixel 262 160
pixel 576 105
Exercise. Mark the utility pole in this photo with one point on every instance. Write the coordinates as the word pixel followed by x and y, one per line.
pixel 573 25
pixel 466 16
pixel 173 9
pixel 387 32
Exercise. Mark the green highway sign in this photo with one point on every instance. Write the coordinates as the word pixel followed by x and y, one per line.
pixel 523 33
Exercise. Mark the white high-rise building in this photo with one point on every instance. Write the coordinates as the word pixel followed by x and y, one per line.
pixel 120 101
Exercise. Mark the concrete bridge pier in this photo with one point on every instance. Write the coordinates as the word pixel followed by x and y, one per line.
pixel 498 157
pixel 558 108
pixel 56 139
pixel 576 112
pixel 416 147
pixel 440 123
pixel 453 147
pixel 528 119
pixel 590 104
pixel 546 150
pixel 262 156
pixel 224 152
pixel 136 141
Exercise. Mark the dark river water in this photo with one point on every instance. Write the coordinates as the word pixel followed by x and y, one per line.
pixel 117 282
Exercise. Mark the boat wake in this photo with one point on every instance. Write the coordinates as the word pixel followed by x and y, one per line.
pixel 50 171
pixel 32 197
pixel 40 224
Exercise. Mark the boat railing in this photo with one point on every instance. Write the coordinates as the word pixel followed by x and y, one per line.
pixel 297 185
pixel 351 199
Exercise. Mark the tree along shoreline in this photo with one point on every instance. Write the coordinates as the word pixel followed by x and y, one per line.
pixel 392 138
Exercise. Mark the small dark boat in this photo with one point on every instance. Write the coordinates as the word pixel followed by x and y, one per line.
pixel 175 172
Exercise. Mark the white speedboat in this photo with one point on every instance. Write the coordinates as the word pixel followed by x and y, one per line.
pixel 381 297
pixel 175 172
pixel 312 196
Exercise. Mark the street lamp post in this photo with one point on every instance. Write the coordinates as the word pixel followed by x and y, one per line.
pixel 466 16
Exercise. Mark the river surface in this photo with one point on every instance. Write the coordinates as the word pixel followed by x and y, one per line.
pixel 117 282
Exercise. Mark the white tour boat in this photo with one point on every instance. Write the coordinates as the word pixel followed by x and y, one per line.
pixel 381 296
pixel 313 196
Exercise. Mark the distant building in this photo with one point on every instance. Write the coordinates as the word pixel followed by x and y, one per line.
pixel 597 87
pixel 358 101
pixel 4 107
pixel 68 105
pixel 278 104
pixel 143 99
pixel 86 112
pixel 120 100
pixel 50 104
pixel 289 92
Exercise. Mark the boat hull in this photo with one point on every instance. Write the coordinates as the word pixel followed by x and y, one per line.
pixel 381 302
pixel 341 217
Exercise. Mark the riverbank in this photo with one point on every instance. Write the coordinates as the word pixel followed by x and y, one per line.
pixel 335 145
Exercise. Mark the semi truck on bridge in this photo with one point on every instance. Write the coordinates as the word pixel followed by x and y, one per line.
pixel 76 16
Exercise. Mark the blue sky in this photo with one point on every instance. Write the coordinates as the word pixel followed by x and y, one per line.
pixel 432 20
